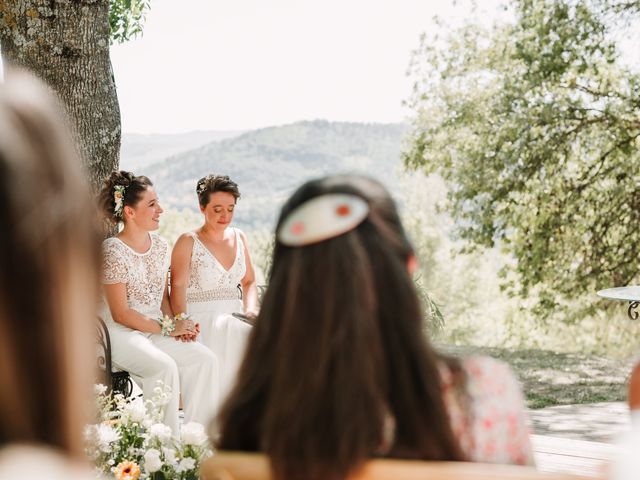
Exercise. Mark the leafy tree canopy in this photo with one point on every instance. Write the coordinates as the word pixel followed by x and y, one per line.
pixel 126 18
pixel 535 126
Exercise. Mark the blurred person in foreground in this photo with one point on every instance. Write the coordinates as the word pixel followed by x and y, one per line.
pixel 338 369
pixel 49 257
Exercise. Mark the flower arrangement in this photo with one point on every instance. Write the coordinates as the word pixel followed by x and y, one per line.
pixel 130 442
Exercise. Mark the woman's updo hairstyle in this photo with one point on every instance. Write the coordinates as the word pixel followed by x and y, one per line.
pixel 215 183
pixel 121 189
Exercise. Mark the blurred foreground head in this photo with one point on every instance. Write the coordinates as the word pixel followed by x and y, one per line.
pixel 48 278
pixel 338 351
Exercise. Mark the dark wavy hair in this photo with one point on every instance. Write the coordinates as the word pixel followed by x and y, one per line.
pixel 215 183
pixel 134 188
pixel 337 349
pixel 49 257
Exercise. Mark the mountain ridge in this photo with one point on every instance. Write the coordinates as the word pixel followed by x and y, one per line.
pixel 269 163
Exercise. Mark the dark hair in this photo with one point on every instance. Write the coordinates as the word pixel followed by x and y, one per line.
pixel 49 257
pixel 337 348
pixel 215 183
pixel 133 189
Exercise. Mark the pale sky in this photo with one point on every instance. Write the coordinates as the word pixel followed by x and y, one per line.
pixel 244 64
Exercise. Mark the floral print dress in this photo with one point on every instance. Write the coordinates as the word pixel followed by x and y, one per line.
pixel 488 415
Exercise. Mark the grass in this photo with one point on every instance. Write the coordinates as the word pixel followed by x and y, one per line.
pixel 550 378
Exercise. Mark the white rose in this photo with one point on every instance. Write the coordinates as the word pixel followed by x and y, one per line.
pixel 193 434
pixel 106 436
pixel 136 411
pixel 160 431
pixel 186 464
pixel 169 455
pixel 152 460
pixel 161 395
pixel 99 389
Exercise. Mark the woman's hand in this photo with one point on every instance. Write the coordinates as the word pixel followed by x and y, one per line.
pixel 184 327
pixel 190 337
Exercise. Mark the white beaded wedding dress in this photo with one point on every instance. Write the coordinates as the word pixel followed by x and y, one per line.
pixel 186 368
pixel 213 293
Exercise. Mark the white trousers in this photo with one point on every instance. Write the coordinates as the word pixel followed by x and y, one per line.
pixel 188 368
pixel 225 335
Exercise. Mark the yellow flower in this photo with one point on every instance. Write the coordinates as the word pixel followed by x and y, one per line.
pixel 127 471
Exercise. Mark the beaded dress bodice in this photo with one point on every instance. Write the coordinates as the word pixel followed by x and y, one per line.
pixel 143 273
pixel 208 279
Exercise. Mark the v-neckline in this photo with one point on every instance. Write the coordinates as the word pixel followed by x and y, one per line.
pixel 213 255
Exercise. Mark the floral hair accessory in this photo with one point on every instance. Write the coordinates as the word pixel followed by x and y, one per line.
pixel 202 185
pixel 118 199
pixel 322 218
pixel 167 325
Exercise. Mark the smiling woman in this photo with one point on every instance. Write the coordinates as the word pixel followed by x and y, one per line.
pixel 139 316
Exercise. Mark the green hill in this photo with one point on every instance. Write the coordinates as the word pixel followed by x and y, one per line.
pixel 268 164
pixel 140 150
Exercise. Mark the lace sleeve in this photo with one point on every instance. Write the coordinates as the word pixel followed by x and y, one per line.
pixel 114 265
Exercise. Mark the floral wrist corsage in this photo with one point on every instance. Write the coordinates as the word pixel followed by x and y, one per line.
pixel 182 316
pixel 167 325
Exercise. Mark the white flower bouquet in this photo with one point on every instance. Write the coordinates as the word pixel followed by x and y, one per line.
pixel 130 442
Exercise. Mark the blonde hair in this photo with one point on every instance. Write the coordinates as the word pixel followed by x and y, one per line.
pixel 49 255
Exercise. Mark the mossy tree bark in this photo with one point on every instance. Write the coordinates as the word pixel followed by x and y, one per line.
pixel 66 44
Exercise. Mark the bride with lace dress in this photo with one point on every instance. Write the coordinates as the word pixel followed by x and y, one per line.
pixel 138 315
pixel 212 277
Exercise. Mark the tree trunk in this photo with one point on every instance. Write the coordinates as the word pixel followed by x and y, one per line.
pixel 66 44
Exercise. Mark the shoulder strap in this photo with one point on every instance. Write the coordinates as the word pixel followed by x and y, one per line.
pixel 239 242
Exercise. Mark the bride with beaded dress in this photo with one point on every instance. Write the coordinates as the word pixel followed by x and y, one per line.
pixel 212 277
pixel 142 327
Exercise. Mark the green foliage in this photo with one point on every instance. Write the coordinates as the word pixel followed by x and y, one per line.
pixel 621 6
pixel 174 223
pixel 433 318
pixel 126 18
pixel 261 244
pixel 465 285
pixel 534 126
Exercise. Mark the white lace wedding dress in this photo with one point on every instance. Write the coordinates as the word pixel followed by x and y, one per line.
pixel 213 293
pixel 188 368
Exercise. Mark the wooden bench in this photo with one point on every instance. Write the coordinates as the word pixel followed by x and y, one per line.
pixel 117 381
pixel 248 466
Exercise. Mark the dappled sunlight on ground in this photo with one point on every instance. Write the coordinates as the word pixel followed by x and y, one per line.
pixel 550 378
pixel 595 422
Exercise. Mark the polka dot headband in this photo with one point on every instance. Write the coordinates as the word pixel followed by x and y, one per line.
pixel 321 218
